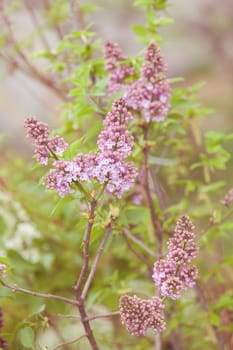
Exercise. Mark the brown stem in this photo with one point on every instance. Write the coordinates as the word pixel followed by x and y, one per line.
pixel 154 218
pixel 76 15
pixel 140 257
pixel 56 26
pixel 96 260
pixel 69 342
pixel 27 66
pixel 86 325
pixel 35 22
pixel 15 288
pixel 94 317
pixel 87 238
pixel 109 314
pixel 137 241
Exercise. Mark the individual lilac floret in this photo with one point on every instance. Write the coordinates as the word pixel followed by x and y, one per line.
pixel 174 274
pixel 137 315
pixel 45 147
pixel 118 70
pixel 228 198
pixel 150 94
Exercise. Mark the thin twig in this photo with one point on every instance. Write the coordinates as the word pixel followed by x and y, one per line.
pixel 84 269
pixel 69 342
pixel 76 15
pixel 78 285
pixel 29 68
pixel 109 314
pixel 15 288
pixel 94 317
pixel 133 238
pixel 36 24
pixel 96 260
pixel 140 257
pixel 154 218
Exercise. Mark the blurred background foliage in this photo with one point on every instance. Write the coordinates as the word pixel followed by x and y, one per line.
pixel 52 66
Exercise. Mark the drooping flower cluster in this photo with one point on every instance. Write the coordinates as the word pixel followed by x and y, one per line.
pixel 150 93
pixel 106 166
pixel 3 343
pixel 175 274
pixel 45 146
pixel 228 198
pixel 137 315
pixel 115 65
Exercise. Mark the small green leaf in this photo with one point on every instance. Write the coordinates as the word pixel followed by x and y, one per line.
pixel 214 319
pixel 27 337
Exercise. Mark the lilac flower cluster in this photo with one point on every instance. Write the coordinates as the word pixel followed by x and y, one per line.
pixel 175 274
pixel 115 65
pixel 106 166
pixel 228 198
pixel 150 93
pixel 3 343
pixel 137 315
pixel 45 147
pixel 171 275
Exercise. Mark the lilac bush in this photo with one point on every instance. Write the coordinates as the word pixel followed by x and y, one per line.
pixel 105 248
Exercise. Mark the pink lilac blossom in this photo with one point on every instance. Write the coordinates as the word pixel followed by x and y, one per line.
pixel 228 198
pixel 114 138
pixel 45 147
pixel 115 65
pixel 60 179
pixel 174 274
pixel 107 166
pixel 150 94
pixel 138 315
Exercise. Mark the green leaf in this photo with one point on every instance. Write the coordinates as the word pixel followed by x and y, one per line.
pixel 224 302
pixel 142 3
pixel 140 30
pixel 162 21
pixel 214 319
pixel 213 187
pixel 27 337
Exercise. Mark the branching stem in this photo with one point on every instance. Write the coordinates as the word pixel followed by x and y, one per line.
pixel 154 218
